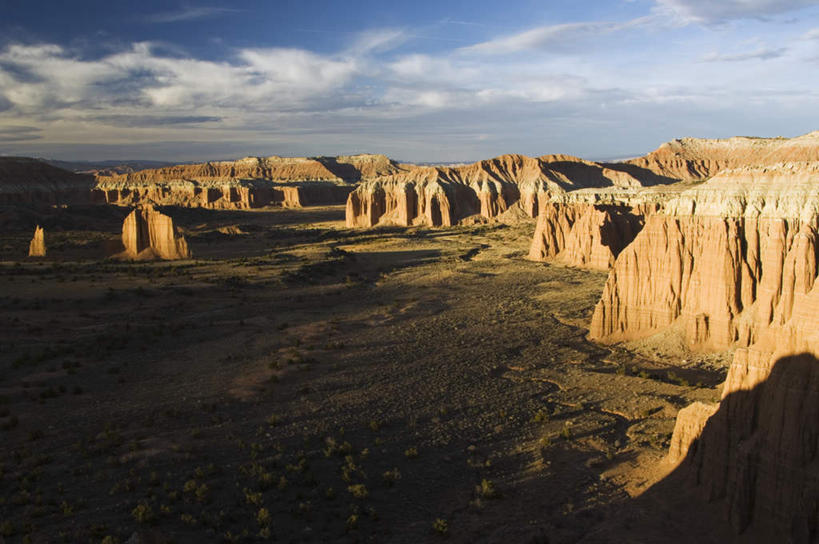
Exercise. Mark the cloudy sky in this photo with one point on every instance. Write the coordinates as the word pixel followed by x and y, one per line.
pixel 429 80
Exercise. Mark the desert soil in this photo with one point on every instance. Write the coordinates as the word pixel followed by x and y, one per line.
pixel 302 382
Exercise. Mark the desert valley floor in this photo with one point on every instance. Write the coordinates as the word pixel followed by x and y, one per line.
pixel 304 382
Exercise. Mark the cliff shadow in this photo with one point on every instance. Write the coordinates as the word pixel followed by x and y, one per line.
pixel 749 477
pixel 646 176
pixel 347 172
pixel 621 229
pixel 583 175
pixel 23 218
pixel 192 217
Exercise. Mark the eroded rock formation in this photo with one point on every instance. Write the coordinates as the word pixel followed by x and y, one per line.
pixel 443 196
pixel 150 234
pixel 698 159
pixel 730 263
pixel 690 423
pixel 37 247
pixel 251 182
pixel 583 235
pixel 724 260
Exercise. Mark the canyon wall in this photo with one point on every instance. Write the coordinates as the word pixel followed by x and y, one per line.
pixel 758 453
pixel 150 234
pixel 723 260
pixel 228 195
pixel 443 196
pixel 698 159
pixel 251 182
pixel 246 183
pixel 733 263
pixel 583 235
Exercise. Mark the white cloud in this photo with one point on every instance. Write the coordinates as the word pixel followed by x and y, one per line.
pixel 378 41
pixel 573 78
pixel 560 37
pixel 539 38
pixel 758 54
pixel 48 78
pixel 189 14
pixel 722 10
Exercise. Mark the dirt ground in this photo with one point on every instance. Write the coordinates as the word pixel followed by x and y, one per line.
pixel 297 381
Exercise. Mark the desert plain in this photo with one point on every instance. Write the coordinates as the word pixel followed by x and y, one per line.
pixel 494 352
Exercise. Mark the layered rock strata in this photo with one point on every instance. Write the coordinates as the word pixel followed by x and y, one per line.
pixel 37 247
pixel 698 159
pixel 724 260
pixel 252 182
pixel 443 196
pixel 731 263
pixel 150 234
pixel 583 235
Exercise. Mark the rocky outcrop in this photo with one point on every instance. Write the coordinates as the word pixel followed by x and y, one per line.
pixel 759 452
pixel 733 263
pixel 690 423
pixel 251 182
pixel 583 235
pixel 37 247
pixel 722 260
pixel 233 195
pixel 698 159
pixel 150 234
pixel 443 196
pixel 346 169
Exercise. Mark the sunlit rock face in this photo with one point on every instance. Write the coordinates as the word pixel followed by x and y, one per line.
pixel 443 196
pixel 252 182
pixel 149 234
pixel 734 262
pixel 37 247
pixel 583 235
pixel 726 259
pixel 698 159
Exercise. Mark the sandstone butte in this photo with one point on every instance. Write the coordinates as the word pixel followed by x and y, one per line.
pixel 589 227
pixel 732 263
pixel 37 247
pixel 251 182
pixel 443 196
pixel 150 234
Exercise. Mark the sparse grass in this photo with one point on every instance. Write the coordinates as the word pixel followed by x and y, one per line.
pixel 359 491
pixel 143 513
pixel 486 489
pixel 391 476
pixel 541 416
pixel 440 526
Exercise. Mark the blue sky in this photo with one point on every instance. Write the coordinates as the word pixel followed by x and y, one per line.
pixel 420 81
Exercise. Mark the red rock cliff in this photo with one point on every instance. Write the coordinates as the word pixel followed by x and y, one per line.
pixel 442 196
pixel 583 235
pixel 723 260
